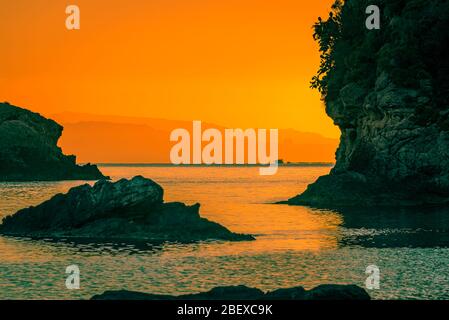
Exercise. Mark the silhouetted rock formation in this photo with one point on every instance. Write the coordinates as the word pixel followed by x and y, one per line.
pixel 29 151
pixel 388 92
pixel 323 292
pixel 125 210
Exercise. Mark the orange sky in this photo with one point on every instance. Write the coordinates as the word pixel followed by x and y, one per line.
pixel 237 63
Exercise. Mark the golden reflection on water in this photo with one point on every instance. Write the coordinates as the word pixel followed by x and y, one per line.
pixel 294 245
pixel 241 199
pixel 14 251
pixel 238 198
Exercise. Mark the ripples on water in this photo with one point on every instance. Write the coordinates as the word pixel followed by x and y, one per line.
pixel 294 246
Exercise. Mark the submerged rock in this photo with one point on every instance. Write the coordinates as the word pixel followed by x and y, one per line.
pixel 125 210
pixel 388 92
pixel 323 292
pixel 29 151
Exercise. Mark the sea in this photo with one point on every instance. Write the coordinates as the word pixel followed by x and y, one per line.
pixel 294 246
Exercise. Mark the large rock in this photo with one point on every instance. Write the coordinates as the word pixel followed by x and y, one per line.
pixel 388 92
pixel 29 151
pixel 127 210
pixel 323 292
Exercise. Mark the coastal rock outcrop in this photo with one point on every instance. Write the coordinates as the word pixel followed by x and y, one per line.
pixel 126 210
pixel 323 292
pixel 29 151
pixel 388 92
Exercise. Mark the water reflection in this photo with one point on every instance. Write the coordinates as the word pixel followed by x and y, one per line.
pixel 395 227
pixel 21 250
pixel 294 246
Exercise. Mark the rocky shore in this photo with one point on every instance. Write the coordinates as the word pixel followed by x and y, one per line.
pixel 388 92
pixel 126 210
pixel 322 292
pixel 29 151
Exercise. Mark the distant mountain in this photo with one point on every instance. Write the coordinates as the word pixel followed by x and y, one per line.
pixel 117 139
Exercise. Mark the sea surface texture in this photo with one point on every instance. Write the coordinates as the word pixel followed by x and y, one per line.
pixel 294 246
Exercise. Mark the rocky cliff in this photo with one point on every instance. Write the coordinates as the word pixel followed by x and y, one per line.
pixel 29 151
pixel 388 92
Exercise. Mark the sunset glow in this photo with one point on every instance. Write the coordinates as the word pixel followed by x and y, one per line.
pixel 233 63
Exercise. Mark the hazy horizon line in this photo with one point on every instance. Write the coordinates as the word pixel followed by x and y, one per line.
pixel 291 164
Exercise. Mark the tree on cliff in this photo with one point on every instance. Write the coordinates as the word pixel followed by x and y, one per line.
pixel 388 92
pixel 412 44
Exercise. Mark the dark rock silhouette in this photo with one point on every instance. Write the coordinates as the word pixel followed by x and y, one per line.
pixel 29 151
pixel 131 210
pixel 388 92
pixel 323 292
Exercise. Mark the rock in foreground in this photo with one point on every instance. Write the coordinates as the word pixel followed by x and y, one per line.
pixel 131 210
pixel 29 151
pixel 323 292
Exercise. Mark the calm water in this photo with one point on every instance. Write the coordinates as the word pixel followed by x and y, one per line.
pixel 294 246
